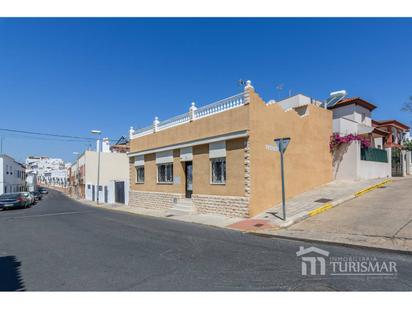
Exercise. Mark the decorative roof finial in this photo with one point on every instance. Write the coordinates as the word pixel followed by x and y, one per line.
pixel 248 85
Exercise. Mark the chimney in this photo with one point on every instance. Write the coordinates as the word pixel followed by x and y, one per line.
pixel 106 145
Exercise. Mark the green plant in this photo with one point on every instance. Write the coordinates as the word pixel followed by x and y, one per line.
pixel 407 145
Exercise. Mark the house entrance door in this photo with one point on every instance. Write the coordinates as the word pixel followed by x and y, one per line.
pixel 189 178
pixel 119 192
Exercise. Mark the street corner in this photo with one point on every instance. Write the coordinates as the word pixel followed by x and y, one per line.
pixel 253 225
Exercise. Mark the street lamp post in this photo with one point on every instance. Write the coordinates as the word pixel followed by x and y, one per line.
pixel 98 133
pixel 77 185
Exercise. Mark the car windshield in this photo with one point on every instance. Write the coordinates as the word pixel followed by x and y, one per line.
pixel 8 196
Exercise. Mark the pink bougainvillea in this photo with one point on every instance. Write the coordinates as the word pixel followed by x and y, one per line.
pixel 336 140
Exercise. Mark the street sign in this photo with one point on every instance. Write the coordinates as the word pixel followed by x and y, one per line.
pixel 271 148
pixel 282 143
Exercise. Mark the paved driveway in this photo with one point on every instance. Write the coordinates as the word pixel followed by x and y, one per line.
pixel 381 218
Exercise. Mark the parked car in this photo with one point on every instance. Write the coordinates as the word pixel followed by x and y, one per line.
pixel 30 197
pixel 43 191
pixel 37 195
pixel 14 200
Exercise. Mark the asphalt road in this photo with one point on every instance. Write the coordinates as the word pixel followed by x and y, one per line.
pixel 61 244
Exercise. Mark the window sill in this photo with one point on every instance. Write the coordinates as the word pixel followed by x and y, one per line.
pixel 165 183
pixel 139 183
pixel 218 184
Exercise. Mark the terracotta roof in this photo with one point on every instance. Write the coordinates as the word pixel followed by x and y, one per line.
pixel 357 101
pixel 393 122
pixel 380 131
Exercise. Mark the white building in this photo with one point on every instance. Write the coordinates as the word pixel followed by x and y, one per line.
pixel 31 181
pixel 113 175
pixel 12 175
pixel 351 161
pixel 51 171
pixel 351 116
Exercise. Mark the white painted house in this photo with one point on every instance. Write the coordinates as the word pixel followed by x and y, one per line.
pixel 12 175
pixel 351 161
pixel 113 175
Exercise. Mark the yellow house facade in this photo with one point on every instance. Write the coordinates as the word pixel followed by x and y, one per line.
pixel 213 159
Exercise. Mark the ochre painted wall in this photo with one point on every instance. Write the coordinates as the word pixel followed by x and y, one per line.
pixel 150 175
pixel 308 162
pixel 234 170
pixel 201 172
pixel 226 122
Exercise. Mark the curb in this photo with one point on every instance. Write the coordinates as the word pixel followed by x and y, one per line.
pixel 368 189
pixel 329 205
pixel 330 242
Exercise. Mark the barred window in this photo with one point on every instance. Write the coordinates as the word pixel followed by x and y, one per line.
pixel 218 168
pixel 165 173
pixel 139 174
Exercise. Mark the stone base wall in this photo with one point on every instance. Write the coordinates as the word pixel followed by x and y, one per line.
pixel 153 200
pixel 230 206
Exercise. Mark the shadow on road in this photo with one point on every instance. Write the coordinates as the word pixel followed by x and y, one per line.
pixel 10 277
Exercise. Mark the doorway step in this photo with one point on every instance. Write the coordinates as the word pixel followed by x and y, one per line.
pixel 182 206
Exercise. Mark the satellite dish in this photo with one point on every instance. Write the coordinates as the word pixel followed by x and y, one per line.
pixel 334 97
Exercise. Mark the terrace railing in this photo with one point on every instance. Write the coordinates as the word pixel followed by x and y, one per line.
pixel 193 114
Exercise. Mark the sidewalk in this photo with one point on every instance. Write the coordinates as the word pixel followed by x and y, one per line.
pixel 316 201
pixel 379 219
pixel 298 209
pixel 206 219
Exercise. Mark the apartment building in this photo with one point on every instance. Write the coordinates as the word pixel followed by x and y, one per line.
pixel 12 175
pixel 214 159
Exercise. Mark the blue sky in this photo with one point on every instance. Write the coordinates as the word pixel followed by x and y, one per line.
pixel 69 76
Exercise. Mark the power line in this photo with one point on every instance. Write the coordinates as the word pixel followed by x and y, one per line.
pixel 51 135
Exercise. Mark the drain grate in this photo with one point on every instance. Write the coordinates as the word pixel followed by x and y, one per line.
pixel 258 225
pixel 382 187
pixel 323 200
pixel 168 216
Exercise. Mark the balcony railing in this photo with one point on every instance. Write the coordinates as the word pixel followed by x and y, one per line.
pixel 193 114
pixel 374 154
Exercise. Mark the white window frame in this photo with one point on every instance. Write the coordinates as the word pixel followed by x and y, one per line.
pixel 223 172
pixel 167 181
pixel 137 173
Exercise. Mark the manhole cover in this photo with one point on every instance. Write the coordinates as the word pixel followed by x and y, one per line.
pixel 323 200
pixel 258 224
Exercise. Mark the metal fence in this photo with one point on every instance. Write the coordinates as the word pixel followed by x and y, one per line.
pixel 374 154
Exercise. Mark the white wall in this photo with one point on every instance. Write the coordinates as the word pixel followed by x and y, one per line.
pixel 409 163
pixel 296 101
pixel 9 175
pixel 347 164
pixel 110 190
pixel 371 170
pixel 345 126
pixel 113 167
